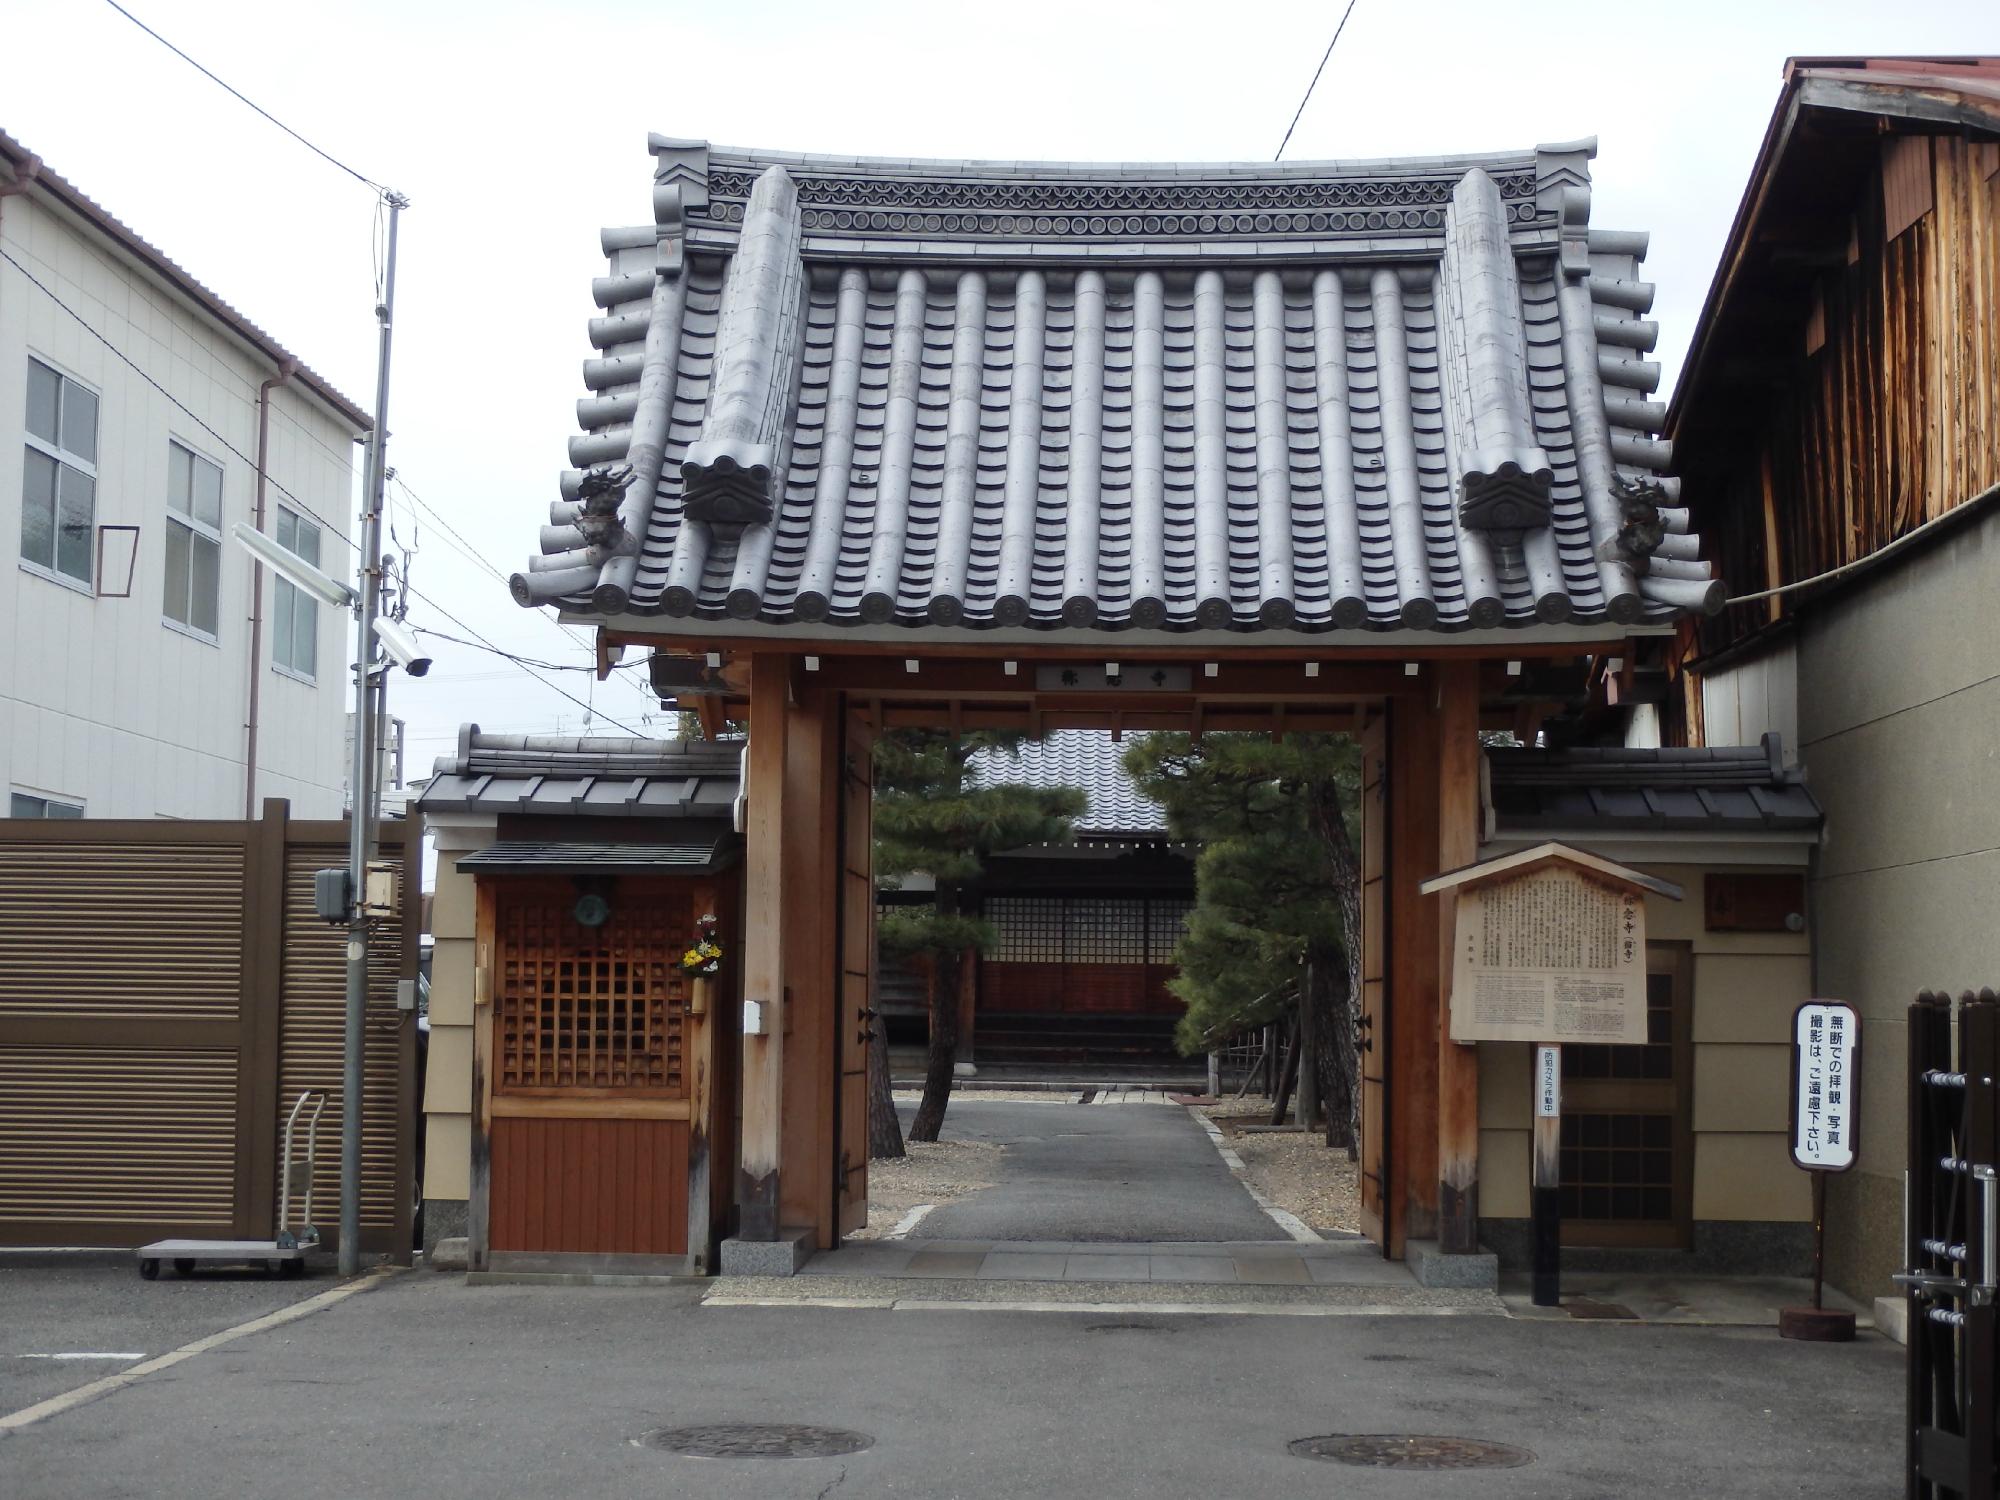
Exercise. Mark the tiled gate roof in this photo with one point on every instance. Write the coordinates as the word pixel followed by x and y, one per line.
pixel 964 395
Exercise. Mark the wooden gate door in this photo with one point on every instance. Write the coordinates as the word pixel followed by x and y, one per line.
pixel 588 1115
pixel 1372 1045
pixel 857 968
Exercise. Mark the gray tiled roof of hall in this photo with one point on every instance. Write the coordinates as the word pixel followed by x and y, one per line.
pixel 1090 761
pixel 1087 397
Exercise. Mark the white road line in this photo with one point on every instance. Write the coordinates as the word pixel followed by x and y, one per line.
pixel 909 1221
pixel 71 1354
pixel 1291 1223
pixel 27 1416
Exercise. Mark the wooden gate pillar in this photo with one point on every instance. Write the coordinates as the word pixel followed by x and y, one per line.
pixel 764 1000
pixel 811 878
pixel 1458 1066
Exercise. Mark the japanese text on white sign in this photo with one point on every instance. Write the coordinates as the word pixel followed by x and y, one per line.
pixel 1826 1041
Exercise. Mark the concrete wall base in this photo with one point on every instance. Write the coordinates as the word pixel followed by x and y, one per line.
pixel 780 1257
pixel 1429 1263
pixel 1892 1319
pixel 447 1255
pixel 1722 1247
pixel 444 1219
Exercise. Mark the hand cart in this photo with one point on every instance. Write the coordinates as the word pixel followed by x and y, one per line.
pixel 285 1255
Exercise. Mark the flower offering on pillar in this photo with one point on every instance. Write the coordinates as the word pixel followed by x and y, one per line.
pixel 704 958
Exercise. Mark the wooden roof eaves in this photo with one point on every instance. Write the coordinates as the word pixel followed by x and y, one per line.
pixel 1541 856
pixel 1810 83
pixel 1777 136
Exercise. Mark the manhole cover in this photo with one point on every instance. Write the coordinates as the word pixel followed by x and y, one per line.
pixel 757 1440
pixel 1395 1450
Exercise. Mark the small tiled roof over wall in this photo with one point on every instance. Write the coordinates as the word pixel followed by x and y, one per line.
pixel 1732 789
pixel 964 396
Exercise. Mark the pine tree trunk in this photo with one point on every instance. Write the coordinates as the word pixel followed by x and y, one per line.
pixel 885 1131
pixel 1312 1052
pixel 1343 969
pixel 1338 1062
pixel 940 1064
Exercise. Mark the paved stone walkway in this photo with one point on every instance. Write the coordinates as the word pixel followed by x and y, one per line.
pixel 1353 1262
pixel 1073 1172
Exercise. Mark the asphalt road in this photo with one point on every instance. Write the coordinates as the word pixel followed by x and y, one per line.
pixel 1134 1172
pixel 425 1386
pixel 95 1303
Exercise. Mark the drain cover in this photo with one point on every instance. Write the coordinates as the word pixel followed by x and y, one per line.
pixel 1396 1450
pixel 757 1440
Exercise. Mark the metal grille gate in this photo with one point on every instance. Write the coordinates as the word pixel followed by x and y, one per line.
pixel 1952 1244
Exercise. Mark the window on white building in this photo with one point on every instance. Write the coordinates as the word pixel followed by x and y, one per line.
pixel 59 491
pixel 295 613
pixel 194 539
pixel 35 805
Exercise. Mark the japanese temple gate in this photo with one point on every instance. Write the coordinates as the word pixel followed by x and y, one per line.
pixel 1353 447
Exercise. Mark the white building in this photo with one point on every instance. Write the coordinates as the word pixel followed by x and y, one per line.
pixel 149 671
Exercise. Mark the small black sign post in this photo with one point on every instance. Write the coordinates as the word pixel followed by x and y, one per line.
pixel 1826 1077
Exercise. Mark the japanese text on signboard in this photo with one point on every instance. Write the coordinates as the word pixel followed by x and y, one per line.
pixel 1550 956
pixel 1826 1040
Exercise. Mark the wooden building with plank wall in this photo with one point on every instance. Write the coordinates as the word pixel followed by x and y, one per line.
pixel 580 1087
pixel 166 994
pixel 1838 427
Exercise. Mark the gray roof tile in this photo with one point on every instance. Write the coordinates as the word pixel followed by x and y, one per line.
pixel 569 776
pixel 1301 396
pixel 1088 760
pixel 1723 789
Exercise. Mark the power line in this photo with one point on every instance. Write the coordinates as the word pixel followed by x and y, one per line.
pixel 479 640
pixel 1315 81
pixel 178 404
pixel 515 656
pixel 300 505
pixel 212 78
pixel 461 544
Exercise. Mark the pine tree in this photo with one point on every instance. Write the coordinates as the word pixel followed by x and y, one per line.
pixel 1277 891
pixel 932 819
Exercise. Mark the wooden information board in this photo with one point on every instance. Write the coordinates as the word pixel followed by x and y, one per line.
pixel 1549 955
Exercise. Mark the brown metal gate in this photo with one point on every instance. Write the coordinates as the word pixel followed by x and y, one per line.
pixel 164 992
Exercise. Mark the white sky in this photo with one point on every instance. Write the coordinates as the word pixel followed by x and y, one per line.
pixel 518 130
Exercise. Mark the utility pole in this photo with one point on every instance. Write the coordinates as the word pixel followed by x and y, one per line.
pixel 361 817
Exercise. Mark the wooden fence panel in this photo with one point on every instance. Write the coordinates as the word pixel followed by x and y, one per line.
pixel 148 974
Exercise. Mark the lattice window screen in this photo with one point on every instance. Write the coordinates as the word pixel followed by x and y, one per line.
pixel 1106 931
pixel 1617 1167
pixel 1085 929
pixel 1166 920
pixel 599 1008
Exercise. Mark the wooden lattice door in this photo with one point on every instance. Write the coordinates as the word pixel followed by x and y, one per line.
pixel 588 1115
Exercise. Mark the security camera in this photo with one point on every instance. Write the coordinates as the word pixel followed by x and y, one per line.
pixel 401 643
pixel 289 565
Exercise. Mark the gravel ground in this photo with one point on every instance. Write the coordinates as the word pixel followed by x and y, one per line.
pixel 1296 1172
pixel 933 1172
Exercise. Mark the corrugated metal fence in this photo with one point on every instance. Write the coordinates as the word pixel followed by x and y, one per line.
pixel 165 993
